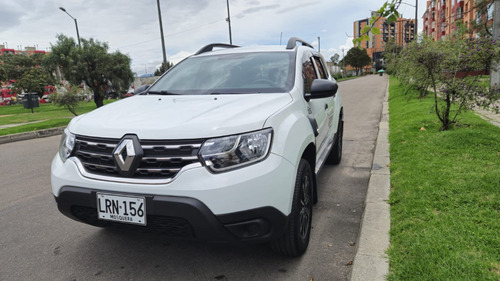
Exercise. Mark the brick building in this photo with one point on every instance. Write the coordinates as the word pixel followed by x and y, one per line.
pixel 27 51
pixel 441 16
pixel 401 31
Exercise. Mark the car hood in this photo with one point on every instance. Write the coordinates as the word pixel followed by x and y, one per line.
pixel 180 117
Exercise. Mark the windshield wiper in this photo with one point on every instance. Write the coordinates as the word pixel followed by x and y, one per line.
pixel 227 93
pixel 165 93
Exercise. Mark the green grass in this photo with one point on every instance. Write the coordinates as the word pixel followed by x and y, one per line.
pixel 49 115
pixel 445 194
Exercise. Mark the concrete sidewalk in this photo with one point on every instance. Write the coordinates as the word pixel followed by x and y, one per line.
pixel 370 262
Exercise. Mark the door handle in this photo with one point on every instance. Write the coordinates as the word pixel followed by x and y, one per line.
pixel 326 106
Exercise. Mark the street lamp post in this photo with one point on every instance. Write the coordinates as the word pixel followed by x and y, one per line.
pixel 229 22
pixel 162 38
pixel 76 24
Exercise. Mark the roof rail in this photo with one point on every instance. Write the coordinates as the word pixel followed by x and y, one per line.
pixel 292 43
pixel 210 47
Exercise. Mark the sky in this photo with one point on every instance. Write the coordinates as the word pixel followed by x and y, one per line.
pixel 132 26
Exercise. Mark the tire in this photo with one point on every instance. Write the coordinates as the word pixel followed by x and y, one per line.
pixel 335 155
pixel 298 230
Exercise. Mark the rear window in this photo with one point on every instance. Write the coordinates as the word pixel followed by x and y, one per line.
pixel 239 73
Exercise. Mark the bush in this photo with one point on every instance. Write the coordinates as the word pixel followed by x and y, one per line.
pixel 450 69
pixel 68 96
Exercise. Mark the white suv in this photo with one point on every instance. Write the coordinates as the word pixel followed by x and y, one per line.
pixel 225 146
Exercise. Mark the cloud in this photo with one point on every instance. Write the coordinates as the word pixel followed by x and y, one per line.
pixel 10 17
pixel 299 6
pixel 256 10
pixel 132 26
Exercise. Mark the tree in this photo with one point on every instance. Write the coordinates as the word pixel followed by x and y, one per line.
pixel 12 67
pixel 34 80
pixel 163 68
pixel 450 68
pixel 482 25
pixel 335 59
pixel 357 58
pixel 389 11
pixel 400 61
pixel 66 96
pixel 91 63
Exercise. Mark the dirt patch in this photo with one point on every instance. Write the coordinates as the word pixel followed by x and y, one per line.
pixel 6 115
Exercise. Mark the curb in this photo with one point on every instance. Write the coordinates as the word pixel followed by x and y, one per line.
pixel 370 262
pixel 31 135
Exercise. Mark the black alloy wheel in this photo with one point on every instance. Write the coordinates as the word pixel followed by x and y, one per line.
pixel 296 238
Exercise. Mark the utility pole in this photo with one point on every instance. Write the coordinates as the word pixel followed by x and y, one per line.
pixel 495 66
pixel 415 27
pixel 162 38
pixel 319 44
pixel 343 64
pixel 229 23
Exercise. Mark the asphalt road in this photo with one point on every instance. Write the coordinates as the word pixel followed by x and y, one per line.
pixel 39 243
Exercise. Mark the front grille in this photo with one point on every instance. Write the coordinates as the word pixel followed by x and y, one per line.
pixel 170 226
pixel 162 159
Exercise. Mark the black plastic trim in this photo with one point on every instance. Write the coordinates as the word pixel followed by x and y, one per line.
pixel 210 47
pixel 256 225
pixel 292 43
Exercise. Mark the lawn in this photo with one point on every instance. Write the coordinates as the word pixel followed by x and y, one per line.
pixel 445 194
pixel 47 116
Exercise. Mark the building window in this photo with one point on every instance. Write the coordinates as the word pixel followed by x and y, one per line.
pixel 491 7
pixel 460 13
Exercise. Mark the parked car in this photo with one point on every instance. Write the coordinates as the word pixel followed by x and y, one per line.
pixel 225 146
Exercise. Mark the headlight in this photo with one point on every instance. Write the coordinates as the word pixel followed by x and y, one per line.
pixel 232 152
pixel 67 144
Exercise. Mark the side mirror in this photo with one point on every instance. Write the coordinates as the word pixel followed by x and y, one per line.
pixel 322 88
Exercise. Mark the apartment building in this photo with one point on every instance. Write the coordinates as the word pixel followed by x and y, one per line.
pixel 402 32
pixel 441 16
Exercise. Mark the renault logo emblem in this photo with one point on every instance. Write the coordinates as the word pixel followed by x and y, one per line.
pixel 128 155
pixel 124 154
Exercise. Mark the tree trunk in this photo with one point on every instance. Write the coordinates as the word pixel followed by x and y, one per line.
pixel 98 98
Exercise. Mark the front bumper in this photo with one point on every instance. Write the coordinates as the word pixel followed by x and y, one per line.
pixel 180 217
pixel 250 204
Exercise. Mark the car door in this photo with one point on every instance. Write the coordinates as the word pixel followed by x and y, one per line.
pixel 319 110
pixel 329 104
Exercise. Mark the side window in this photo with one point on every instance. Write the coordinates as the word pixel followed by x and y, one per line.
pixel 320 68
pixel 308 73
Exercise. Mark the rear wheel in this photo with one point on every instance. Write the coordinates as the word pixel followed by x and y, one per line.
pixel 296 238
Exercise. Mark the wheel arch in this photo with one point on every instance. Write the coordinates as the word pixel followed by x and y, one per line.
pixel 309 155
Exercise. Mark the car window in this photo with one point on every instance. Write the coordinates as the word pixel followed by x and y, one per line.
pixel 271 72
pixel 320 67
pixel 308 73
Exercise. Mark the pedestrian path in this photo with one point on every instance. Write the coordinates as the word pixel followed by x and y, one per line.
pixel 490 116
pixel 19 124
pixel 371 262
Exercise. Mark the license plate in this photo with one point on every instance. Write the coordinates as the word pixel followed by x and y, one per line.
pixel 119 208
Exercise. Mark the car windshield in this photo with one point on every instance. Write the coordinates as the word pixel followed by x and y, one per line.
pixel 240 73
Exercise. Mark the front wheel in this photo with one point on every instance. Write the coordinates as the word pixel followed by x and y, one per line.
pixel 296 238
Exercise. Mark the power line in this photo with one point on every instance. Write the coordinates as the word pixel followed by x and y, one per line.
pixel 171 34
